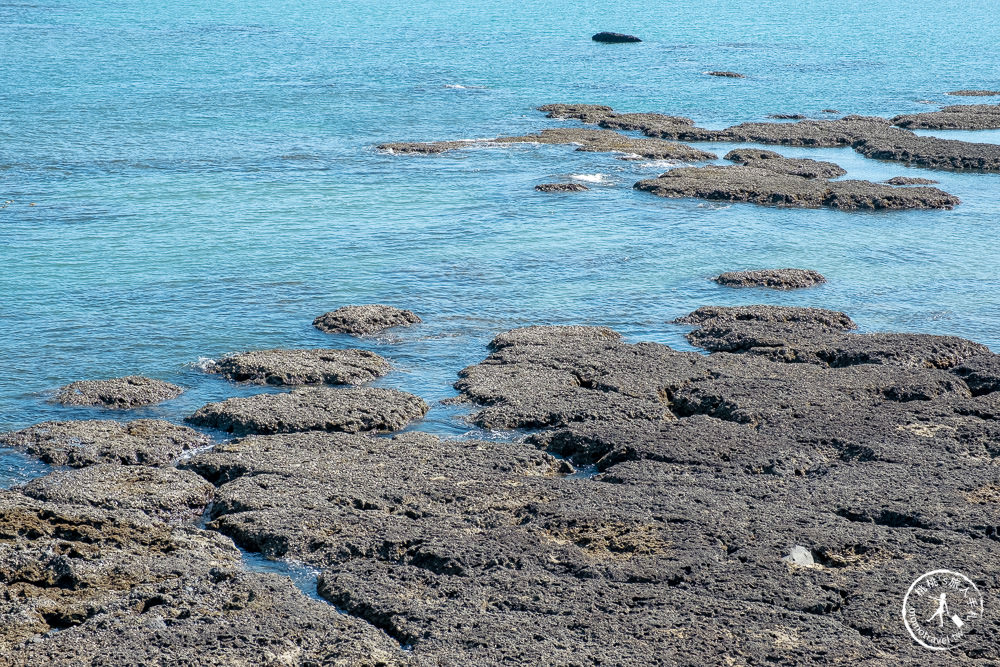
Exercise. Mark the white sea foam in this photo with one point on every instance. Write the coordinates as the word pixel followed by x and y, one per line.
pixel 458 86
pixel 204 363
pixel 589 178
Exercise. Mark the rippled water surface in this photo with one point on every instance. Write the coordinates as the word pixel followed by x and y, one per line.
pixel 195 178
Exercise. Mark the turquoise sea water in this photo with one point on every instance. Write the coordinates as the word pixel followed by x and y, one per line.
pixel 204 180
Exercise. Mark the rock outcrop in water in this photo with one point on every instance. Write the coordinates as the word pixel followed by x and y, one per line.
pixel 355 410
pixel 615 38
pixel 123 393
pixel 592 141
pixel 955 117
pixel 790 183
pixel 780 279
pixel 910 180
pixel 974 93
pixel 561 187
pixel 727 75
pixel 364 320
pixel 84 443
pixel 301 367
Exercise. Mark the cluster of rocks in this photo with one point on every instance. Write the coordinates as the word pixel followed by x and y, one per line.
pixel 768 179
pixel 872 136
pixel 779 279
pixel 769 502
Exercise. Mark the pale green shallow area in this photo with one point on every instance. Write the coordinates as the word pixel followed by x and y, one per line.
pixel 205 181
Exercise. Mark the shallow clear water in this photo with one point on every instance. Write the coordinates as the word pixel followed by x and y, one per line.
pixel 204 180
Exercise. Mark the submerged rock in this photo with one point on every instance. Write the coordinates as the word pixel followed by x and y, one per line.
pixel 302 367
pixel 728 75
pixel 775 182
pixel 781 279
pixel 588 141
pixel 910 180
pixel 167 494
pixel 84 443
pixel 314 409
pixel 561 187
pixel 364 320
pixel 123 393
pixel 614 38
pixel 955 117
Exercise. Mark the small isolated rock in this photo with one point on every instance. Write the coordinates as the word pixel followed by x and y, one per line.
pixel 118 393
pixel 355 410
pixel 974 93
pixel 831 110
pixel 908 180
pixel 161 493
pixel 729 75
pixel 801 556
pixel 781 279
pixel 298 367
pixel 614 38
pixel 787 116
pixel 364 320
pixel 84 443
pixel 561 187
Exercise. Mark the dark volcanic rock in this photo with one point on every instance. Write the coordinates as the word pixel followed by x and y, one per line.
pixel 313 409
pixel 119 393
pixel 955 117
pixel 161 493
pixel 766 183
pixel 910 180
pixel 728 75
pixel 83 586
pixel 83 443
pixel 782 279
pixel 786 116
pixel 561 187
pixel 589 141
pixel 588 113
pixel 298 367
pixel 768 315
pixel 981 373
pixel 614 38
pixel 364 320
pixel 974 93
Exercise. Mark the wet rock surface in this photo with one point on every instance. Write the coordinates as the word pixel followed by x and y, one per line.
pixel 364 320
pixel 780 279
pixel 561 187
pixel 79 585
pixel 83 443
pixel 955 117
pixel 592 141
pixel 614 38
pixel 790 183
pixel 313 409
pixel 123 393
pixel 301 367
